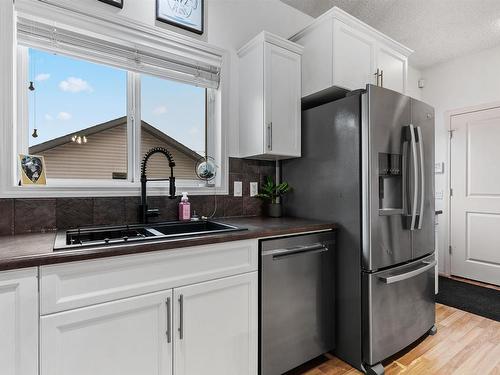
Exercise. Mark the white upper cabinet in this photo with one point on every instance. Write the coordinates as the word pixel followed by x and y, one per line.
pixel 342 51
pixel 354 57
pixel 19 322
pixel 393 69
pixel 270 98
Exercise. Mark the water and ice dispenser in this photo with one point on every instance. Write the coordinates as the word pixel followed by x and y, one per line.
pixel 390 184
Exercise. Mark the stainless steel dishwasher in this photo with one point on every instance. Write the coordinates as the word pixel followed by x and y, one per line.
pixel 296 300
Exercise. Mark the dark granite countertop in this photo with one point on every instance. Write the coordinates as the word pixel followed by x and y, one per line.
pixel 31 250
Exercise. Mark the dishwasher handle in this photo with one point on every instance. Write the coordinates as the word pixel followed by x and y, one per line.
pixel 279 254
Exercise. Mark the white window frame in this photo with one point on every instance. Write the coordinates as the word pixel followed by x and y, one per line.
pixel 14 107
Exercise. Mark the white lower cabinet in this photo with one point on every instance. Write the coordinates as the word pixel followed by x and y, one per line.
pixel 207 328
pixel 125 337
pixel 217 327
pixel 19 322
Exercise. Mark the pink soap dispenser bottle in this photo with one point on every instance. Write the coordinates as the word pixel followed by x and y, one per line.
pixel 184 208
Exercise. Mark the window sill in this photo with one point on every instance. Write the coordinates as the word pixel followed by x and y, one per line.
pixel 61 188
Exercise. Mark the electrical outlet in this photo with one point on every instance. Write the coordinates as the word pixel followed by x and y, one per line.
pixel 254 189
pixel 238 189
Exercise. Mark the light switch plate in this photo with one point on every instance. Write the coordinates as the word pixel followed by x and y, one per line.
pixel 238 189
pixel 439 168
pixel 254 189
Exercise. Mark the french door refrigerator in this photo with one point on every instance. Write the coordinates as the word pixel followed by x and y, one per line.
pixel 368 164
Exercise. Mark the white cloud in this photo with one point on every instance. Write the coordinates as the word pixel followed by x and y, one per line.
pixel 74 85
pixel 42 77
pixel 64 116
pixel 160 110
pixel 48 117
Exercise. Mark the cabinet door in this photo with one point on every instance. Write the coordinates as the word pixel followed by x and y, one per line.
pixel 394 67
pixel 282 101
pixel 19 322
pixel 127 337
pixel 353 57
pixel 216 327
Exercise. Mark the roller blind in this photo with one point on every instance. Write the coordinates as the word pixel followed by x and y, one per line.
pixel 142 59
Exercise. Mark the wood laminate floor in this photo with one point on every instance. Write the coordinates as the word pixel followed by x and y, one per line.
pixel 465 344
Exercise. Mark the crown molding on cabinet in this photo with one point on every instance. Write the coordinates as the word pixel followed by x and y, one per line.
pixel 339 14
pixel 268 37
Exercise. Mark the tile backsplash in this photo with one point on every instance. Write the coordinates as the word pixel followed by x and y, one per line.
pixel 27 215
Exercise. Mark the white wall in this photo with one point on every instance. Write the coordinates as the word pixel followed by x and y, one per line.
pixel 462 82
pixel 229 25
pixel 413 76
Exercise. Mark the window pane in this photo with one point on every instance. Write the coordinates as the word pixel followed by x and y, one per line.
pixel 173 116
pixel 79 110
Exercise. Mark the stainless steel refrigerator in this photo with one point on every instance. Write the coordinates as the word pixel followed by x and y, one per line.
pixel 368 164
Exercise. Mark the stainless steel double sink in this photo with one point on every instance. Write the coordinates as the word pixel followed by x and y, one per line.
pixel 112 235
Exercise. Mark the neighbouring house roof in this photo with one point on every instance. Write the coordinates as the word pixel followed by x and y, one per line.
pixel 45 146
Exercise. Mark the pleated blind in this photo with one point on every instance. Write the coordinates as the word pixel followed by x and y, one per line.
pixel 142 59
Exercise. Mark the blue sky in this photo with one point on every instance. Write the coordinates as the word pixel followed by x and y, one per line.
pixel 72 95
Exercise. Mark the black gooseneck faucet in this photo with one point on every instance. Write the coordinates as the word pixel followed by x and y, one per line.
pixel 146 212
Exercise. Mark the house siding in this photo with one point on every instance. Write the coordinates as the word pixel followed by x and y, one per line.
pixel 106 152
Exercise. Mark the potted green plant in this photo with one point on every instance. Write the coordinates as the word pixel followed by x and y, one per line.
pixel 270 192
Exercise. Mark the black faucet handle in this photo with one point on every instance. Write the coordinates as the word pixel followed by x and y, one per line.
pixel 172 187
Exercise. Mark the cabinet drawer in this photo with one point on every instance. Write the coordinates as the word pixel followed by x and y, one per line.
pixel 72 285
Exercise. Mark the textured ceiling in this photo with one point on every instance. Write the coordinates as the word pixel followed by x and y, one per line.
pixel 437 30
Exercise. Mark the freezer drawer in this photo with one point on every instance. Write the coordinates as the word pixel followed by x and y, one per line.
pixel 297 301
pixel 398 308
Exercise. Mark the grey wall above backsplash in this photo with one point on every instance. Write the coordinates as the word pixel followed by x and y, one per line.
pixel 26 215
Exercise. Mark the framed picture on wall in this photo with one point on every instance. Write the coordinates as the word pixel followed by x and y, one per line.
pixel 32 170
pixel 116 3
pixel 186 14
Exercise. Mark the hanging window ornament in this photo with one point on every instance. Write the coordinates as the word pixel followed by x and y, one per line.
pixel 32 89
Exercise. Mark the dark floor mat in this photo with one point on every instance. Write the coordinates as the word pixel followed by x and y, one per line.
pixel 471 298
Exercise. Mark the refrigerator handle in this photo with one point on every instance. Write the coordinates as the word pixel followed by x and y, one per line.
pixel 404 177
pixel 391 279
pixel 422 177
pixel 415 177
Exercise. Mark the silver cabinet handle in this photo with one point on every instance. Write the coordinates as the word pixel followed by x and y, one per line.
pixel 422 177
pixel 270 136
pixel 377 76
pixel 408 275
pixel 380 77
pixel 415 177
pixel 181 317
pixel 169 321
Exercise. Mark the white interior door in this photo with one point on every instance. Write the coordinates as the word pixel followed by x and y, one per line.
pixel 216 327
pixel 475 202
pixel 127 337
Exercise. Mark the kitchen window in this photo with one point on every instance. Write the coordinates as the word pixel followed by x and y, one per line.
pixel 93 107
pixel 77 117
